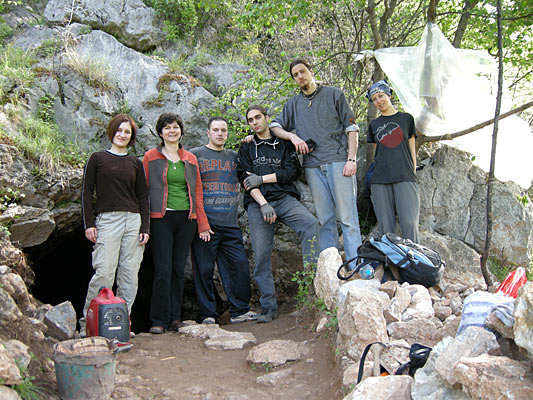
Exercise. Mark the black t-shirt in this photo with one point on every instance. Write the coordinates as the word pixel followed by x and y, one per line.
pixel 393 160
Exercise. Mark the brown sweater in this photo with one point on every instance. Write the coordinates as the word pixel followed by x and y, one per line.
pixel 120 185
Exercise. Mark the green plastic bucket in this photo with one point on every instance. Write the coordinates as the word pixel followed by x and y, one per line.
pixel 85 368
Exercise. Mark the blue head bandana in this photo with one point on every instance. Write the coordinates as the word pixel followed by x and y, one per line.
pixel 380 86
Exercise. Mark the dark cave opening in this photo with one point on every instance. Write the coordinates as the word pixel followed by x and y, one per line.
pixel 63 270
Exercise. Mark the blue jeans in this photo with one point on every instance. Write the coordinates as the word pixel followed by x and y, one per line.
pixel 293 214
pixel 226 248
pixel 335 195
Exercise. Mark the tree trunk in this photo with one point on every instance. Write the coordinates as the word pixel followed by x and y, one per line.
pixel 463 22
pixel 490 184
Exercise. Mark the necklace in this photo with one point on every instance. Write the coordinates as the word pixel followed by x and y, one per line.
pixel 310 96
pixel 169 158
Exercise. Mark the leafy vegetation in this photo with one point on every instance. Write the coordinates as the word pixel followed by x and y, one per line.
pixel 9 196
pixel 304 280
pixel 39 137
pixel 15 65
pixel 501 268
pixel 28 389
pixel 269 34
pixel 179 16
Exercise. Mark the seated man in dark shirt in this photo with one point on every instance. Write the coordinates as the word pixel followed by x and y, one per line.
pixel 267 170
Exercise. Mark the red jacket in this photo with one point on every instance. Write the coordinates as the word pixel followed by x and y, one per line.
pixel 156 167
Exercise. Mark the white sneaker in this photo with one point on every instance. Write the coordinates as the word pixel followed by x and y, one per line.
pixel 247 316
pixel 208 321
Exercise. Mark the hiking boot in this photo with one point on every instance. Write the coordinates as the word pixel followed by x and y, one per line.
pixel 247 316
pixel 208 321
pixel 267 316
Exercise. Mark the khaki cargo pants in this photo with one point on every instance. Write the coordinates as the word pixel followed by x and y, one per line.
pixel 116 251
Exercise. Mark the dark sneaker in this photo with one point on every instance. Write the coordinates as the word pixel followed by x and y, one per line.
pixel 208 321
pixel 267 316
pixel 176 325
pixel 247 316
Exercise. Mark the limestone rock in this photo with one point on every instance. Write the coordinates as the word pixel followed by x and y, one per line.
pixel 403 296
pixel 392 312
pixel 361 320
pixel 472 342
pixel 132 22
pixel 453 203
pixel 218 338
pixel 61 321
pixel 424 331
pixel 326 282
pixel 19 352
pixel 17 289
pixel 221 76
pixel 9 372
pixel 321 324
pixel 356 284
pixel 456 305
pixel 523 317
pixel 274 378
pixel 392 387
pixel 389 287
pixel 349 376
pixel 442 312
pixel 490 377
pixel 494 323
pixel 451 324
pixel 231 341
pixel 82 111
pixel 428 383
pixel 28 232
pixel 277 352
pixel 8 394
pixel 421 305
pixel 9 311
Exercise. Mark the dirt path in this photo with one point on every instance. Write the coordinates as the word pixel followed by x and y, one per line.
pixel 175 366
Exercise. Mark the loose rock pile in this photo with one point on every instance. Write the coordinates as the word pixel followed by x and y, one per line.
pixel 472 365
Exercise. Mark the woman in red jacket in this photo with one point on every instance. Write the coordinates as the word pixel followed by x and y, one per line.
pixel 176 213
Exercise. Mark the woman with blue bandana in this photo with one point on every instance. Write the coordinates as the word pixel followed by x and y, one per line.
pixel 394 188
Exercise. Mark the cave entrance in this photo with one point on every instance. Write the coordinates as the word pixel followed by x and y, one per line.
pixel 63 269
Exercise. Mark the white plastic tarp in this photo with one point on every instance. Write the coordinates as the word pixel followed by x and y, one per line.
pixel 448 90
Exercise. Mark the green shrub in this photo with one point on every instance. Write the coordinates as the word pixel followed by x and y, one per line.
pixel 44 143
pixel 5 31
pixel 15 65
pixel 179 16
pixel 255 88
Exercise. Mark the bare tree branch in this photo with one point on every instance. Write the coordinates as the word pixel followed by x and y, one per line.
pixel 449 136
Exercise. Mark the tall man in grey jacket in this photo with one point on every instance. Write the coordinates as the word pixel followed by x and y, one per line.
pixel 321 113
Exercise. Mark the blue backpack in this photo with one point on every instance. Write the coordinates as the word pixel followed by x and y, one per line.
pixel 407 261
